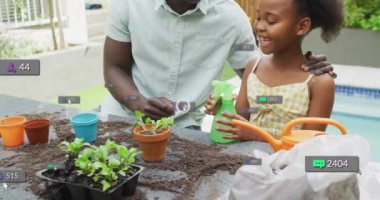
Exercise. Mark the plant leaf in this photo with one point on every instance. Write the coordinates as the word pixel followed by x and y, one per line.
pixel 148 120
pixel 96 165
pixel 113 162
pixel 139 114
pixel 122 173
pixel 96 178
pixel 164 123
pixel 105 184
pixel 110 144
pixel 170 121
pixel 131 160
pixel 64 144
pixel 106 171
pixel 123 152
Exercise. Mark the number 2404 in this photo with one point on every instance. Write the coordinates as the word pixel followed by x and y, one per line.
pixel 337 163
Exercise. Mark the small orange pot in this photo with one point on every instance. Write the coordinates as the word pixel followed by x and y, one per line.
pixel 12 130
pixel 153 147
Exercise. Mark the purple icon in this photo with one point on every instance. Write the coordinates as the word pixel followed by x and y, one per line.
pixel 11 68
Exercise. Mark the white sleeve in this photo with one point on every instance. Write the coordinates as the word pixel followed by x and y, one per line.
pixel 245 47
pixel 118 21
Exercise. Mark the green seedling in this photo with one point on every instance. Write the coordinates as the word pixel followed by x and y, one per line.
pixel 85 164
pixel 105 164
pixel 73 148
pixel 126 157
pixel 108 176
pixel 110 145
pixel 157 125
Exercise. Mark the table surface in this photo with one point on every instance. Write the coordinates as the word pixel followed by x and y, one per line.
pixel 209 186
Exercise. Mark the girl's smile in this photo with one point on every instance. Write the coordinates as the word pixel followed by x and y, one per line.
pixel 265 42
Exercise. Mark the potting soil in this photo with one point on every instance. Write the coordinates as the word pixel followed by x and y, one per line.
pixel 179 173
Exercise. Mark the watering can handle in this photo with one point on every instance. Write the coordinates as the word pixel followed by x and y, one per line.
pixel 312 120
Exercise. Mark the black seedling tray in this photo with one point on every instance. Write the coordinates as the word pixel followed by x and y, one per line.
pixel 72 191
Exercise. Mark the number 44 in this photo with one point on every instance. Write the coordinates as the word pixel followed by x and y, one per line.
pixel 24 67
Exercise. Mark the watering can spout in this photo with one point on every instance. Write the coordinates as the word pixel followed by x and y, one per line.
pixel 276 144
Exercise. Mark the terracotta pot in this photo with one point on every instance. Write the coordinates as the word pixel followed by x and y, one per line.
pixel 37 131
pixel 153 147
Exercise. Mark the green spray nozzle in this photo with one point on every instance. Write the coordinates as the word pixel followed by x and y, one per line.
pixel 222 88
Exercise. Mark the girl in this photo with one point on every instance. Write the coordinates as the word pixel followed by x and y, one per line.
pixel 280 27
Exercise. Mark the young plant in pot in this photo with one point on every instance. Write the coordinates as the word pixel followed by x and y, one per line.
pixel 152 136
pixel 103 172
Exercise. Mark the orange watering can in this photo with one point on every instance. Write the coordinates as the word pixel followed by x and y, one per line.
pixel 290 137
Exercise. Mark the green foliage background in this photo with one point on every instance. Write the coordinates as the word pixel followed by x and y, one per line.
pixel 363 14
pixel 11 48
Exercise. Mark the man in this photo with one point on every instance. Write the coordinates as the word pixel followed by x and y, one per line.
pixel 158 52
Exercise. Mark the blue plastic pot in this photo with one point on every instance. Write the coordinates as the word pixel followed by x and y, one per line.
pixel 85 126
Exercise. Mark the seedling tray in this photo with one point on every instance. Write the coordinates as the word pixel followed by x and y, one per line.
pixel 74 191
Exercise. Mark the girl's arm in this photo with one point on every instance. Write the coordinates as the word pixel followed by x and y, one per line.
pixel 322 90
pixel 240 132
pixel 242 99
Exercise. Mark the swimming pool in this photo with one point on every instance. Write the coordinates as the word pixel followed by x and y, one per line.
pixel 360 114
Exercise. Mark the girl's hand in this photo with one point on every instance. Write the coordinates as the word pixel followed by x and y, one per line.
pixel 239 133
pixel 209 104
pixel 210 107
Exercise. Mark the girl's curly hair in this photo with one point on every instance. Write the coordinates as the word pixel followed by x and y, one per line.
pixel 326 14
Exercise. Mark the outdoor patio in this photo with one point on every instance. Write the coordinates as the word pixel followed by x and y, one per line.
pixel 71 64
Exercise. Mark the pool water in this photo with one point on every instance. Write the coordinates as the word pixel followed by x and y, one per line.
pixel 360 116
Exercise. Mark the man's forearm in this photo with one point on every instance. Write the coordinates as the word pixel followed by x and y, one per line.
pixel 117 70
pixel 121 86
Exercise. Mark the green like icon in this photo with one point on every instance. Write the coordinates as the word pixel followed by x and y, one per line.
pixel 319 163
pixel 263 99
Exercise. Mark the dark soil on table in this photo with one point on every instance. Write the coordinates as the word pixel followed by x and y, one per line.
pixel 193 159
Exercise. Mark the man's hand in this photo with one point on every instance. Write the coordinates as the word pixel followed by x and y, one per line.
pixel 318 64
pixel 157 107
pixel 239 133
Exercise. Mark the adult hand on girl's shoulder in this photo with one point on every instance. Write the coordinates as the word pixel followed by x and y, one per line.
pixel 318 64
